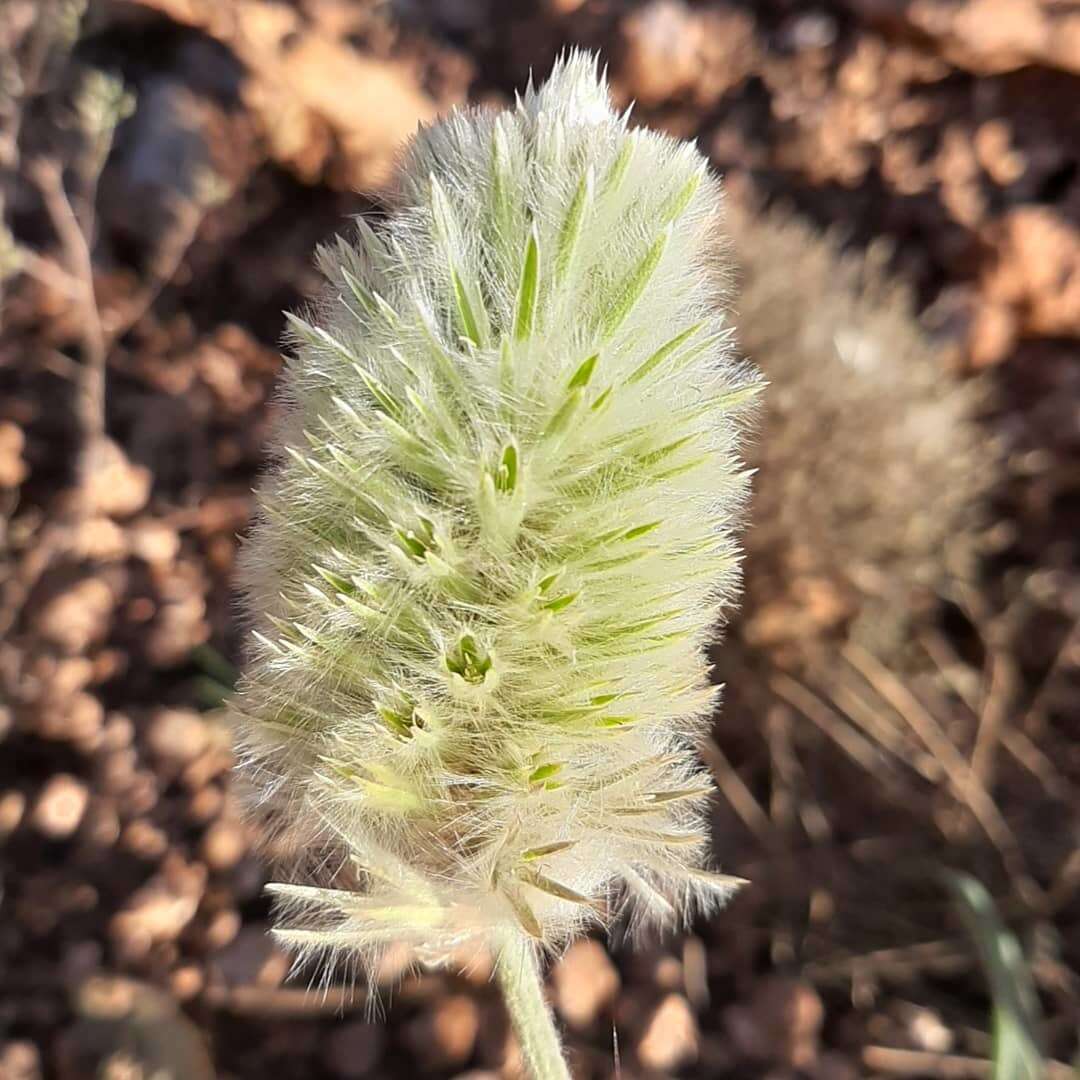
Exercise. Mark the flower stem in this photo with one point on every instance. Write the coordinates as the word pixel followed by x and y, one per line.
pixel 523 989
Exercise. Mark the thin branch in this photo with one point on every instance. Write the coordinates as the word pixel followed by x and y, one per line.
pixel 1013 738
pixel 49 273
pixel 944 957
pixel 892 738
pixel 993 717
pixel 964 783
pixel 792 779
pixel 1038 701
pixel 47 175
pixel 863 752
pixel 739 795
pixel 888 1059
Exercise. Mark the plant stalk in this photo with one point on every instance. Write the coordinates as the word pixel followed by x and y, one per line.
pixel 530 1014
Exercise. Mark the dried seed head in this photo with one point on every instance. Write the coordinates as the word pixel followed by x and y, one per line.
pixel 498 539
pixel 873 471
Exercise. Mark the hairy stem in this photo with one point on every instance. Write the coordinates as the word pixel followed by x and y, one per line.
pixel 523 989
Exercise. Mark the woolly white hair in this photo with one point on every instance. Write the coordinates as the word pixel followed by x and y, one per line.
pixel 498 540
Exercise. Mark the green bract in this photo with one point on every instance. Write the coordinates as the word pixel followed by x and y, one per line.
pixel 497 541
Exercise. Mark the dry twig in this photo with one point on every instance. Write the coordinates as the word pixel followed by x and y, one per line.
pixel 897 1062
pixel 859 749
pixel 964 783
pixel 739 795
pixel 78 264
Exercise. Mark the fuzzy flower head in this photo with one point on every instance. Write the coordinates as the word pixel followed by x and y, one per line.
pixel 874 471
pixel 497 541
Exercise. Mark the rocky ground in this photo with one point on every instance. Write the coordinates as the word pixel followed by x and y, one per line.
pixel 132 422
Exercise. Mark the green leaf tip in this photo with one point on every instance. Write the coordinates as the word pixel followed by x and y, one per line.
pixel 528 289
